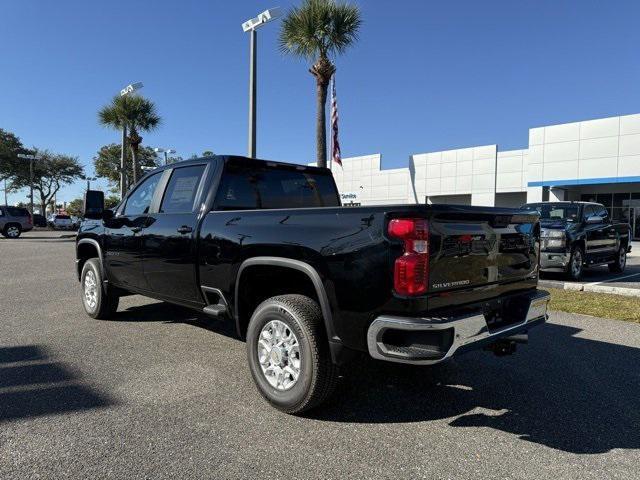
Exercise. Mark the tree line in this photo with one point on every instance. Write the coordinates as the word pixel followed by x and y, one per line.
pixel 51 171
pixel 317 30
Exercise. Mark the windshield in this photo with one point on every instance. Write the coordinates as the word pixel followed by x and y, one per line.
pixel 552 211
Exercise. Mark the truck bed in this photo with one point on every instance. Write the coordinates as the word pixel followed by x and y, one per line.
pixel 476 254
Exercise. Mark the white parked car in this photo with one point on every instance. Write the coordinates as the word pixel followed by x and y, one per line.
pixel 60 222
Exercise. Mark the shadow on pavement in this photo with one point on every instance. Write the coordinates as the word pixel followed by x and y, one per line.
pixel 565 392
pixel 169 313
pixel 31 385
pixel 562 391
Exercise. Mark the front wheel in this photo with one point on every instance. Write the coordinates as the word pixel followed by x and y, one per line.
pixel 620 261
pixel 98 301
pixel 576 264
pixel 288 353
pixel 12 231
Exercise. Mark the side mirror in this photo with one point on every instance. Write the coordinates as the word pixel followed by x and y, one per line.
pixel 108 214
pixel 93 204
pixel 594 219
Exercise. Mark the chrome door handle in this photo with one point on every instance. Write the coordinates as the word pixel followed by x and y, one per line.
pixel 136 229
pixel 185 229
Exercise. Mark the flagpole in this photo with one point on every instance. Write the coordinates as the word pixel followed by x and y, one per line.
pixel 331 129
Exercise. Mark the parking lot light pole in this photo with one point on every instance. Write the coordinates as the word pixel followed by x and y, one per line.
pixel 125 91
pixel 166 152
pixel 251 26
pixel 31 158
pixel 89 180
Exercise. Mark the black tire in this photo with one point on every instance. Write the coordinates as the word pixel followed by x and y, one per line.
pixel 106 302
pixel 576 264
pixel 317 374
pixel 12 230
pixel 620 261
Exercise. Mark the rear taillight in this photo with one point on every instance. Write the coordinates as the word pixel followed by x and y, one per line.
pixel 411 270
pixel 30 219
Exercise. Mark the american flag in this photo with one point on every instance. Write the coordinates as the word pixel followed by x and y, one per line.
pixel 335 144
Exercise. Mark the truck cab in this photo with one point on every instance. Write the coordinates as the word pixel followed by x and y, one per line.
pixel 576 235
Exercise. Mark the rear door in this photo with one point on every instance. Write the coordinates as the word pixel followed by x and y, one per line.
pixel 169 237
pixel 601 237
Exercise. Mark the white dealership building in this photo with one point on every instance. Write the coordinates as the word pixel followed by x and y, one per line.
pixel 594 160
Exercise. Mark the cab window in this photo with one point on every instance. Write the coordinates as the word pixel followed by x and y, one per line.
pixel 588 212
pixel 602 213
pixel 140 200
pixel 180 194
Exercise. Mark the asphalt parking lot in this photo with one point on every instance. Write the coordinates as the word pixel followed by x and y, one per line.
pixel 163 392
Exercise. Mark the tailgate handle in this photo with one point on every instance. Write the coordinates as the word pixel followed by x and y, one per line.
pixel 185 229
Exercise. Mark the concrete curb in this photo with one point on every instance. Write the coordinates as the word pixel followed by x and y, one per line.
pixel 585 287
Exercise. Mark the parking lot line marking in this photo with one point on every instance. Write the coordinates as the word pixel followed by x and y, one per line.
pixel 613 279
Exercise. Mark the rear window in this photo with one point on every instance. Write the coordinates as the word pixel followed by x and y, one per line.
pixel 18 212
pixel 249 187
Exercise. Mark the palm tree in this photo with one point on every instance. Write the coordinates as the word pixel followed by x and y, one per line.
pixel 136 113
pixel 316 30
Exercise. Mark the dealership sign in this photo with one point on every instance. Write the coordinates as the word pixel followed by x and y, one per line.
pixel 350 199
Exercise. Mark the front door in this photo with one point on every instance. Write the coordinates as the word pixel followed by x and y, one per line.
pixel 123 247
pixel 169 238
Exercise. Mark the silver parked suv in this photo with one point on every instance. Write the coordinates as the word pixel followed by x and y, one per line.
pixel 14 221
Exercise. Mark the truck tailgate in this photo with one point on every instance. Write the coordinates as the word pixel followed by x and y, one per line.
pixel 471 246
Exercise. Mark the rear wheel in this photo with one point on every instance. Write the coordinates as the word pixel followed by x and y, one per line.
pixel 12 230
pixel 576 264
pixel 288 353
pixel 620 261
pixel 99 302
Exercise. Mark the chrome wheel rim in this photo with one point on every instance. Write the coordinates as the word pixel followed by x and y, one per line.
pixel 90 290
pixel 622 258
pixel 13 232
pixel 576 266
pixel 279 355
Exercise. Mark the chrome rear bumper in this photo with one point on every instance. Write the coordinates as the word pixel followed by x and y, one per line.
pixel 464 331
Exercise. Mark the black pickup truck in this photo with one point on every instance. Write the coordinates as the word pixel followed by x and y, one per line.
pixel 579 234
pixel 308 283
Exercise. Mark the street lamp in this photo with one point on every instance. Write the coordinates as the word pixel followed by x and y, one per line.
pixel 31 158
pixel 89 180
pixel 124 92
pixel 251 26
pixel 166 152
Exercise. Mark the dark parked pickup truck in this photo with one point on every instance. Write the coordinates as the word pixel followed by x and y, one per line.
pixel 308 283
pixel 579 234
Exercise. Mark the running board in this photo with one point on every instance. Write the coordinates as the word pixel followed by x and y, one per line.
pixel 215 310
pixel 217 304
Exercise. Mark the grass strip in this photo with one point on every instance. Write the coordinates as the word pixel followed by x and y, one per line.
pixel 603 305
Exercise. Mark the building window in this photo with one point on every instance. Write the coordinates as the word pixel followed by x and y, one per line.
pixel 605 199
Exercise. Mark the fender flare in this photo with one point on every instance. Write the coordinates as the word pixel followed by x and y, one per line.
pixel 303 267
pixel 93 242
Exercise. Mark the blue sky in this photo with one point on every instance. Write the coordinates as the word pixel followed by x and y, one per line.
pixel 425 75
